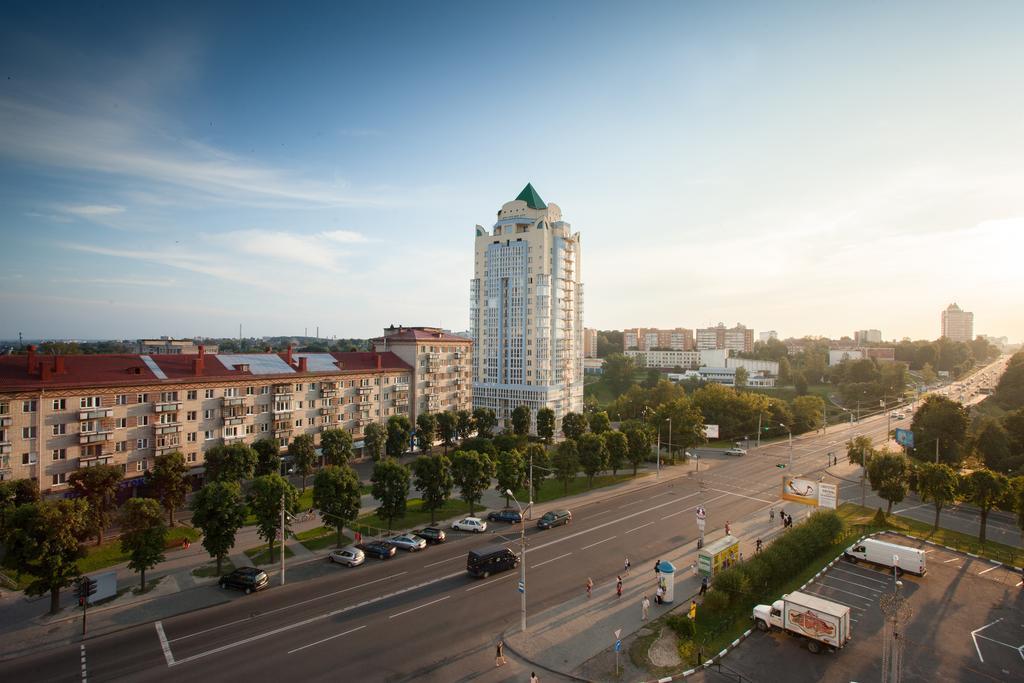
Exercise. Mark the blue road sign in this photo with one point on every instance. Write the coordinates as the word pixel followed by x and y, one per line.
pixel 522 588
pixel 618 646
pixel 905 438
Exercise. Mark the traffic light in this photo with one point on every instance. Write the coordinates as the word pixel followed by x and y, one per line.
pixel 85 588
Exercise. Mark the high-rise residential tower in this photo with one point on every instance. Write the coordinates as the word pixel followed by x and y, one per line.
pixel 526 311
pixel 957 324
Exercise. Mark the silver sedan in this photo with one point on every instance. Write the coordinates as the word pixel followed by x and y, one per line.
pixel 408 542
pixel 350 556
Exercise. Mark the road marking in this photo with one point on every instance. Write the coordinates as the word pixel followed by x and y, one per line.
pixel 85 677
pixel 279 609
pixel 986 571
pixel 876 590
pixel 164 645
pixel 598 543
pixel 896 512
pixel 633 503
pixel 761 500
pixel 833 588
pixel 488 583
pixel 952 559
pixel 859 576
pixel 426 604
pixel 351 630
pixel 434 564
pixel 674 514
pixel 974 637
pixel 638 527
pixel 541 564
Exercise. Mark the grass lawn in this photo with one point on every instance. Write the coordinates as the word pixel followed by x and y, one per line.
pixel 552 489
pixel 416 516
pixel 210 570
pixel 261 554
pixel 110 553
pixel 852 514
pixel 321 537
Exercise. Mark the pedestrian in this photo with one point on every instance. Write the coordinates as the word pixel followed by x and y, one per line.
pixel 499 654
pixel 184 543
pixel 704 585
pixel 618 586
pixel 726 527
pixel 771 514
pixel 657 568
pixel 590 586
pixel 782 517
pixel 757 546
pixel 626 566
pixel 359 538
pixel 693 568
pixel 533 677
pixel 657 595
pixel 693 610
pixel 645 605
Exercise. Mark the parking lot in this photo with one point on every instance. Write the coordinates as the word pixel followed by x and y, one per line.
pixel 967 624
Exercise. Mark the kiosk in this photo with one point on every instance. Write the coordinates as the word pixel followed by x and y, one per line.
pixel 667 580
pixel 716 556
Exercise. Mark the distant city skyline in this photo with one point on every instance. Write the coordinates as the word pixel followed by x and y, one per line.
pixel 180 170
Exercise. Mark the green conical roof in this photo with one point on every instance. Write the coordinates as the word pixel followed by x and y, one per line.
pixel 532 199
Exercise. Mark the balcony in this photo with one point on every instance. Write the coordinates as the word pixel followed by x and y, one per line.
pixel 101 459
pixel 325 411
pixel 168 407
pixel 457 355
pixel 95 437
pixel 97 414
pixel 231 438
pixel 5 421
pixel 283 433
pixel 234 420
pixel 168 428
pixel 365 391
pixel 228 401
pixel 164 450
pixel 5 448
pixel 283 390
pixel 283 412
pixel 328 393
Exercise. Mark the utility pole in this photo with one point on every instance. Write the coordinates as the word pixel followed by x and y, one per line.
pixel 863 474
pixel 282 539
pixel 759 430
pixel 522 563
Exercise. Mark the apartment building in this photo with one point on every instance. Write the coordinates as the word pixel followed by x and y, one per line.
pixel 441 365
pixel 589 342
pixel 867 336
pixel 165 346
pixel 653 339
pixel 957 324
pixel 526 311
pixel 61 413
pixel 682 359
pixel 739 338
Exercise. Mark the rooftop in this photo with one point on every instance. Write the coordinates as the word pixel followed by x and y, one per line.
pixel 532 199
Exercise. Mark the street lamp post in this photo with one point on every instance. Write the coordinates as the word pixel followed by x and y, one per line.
pixel 522 561
pixel 790 444
pixel 669 420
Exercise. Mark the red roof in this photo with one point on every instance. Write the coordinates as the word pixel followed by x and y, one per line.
pixel 131 369
pixel 420 334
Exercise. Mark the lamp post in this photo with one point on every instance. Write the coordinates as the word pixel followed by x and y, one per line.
pixel 669 420
pixel 522 561
pixel 790 444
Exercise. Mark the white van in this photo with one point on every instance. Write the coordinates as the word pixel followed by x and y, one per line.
pixel 881 553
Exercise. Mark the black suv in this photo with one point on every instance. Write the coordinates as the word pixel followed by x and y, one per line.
pixel 554 518
pixel 486 561
pixel 245 579
pixel 432 534
pixel 507 515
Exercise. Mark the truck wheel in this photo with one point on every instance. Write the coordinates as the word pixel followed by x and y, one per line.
pixel 813 646
pixel 762 625
pixel 851 559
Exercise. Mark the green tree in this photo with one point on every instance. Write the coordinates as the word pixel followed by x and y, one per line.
pixel 399 431
pixel 447 428
pixel 937 484
pixel 485 421
pixel 686 427
pixel 992 444
pixel 426 431
pixel 143 535
pixel 538 454
pixel 785 372
pixel 336 445
pixel 167 482
pixel 303 453
pixel 265 499
pixel 888 473
pixel 374 437
pixel 800 383
pixel 859 450
pixel 268 457
pixel 566 462
pixel 7 496
pixel 1013 423
pixel 98 485
pixel 234 462
pixel 546 424
pixel 463 423
pixel 928 375
pixel 742 376
pixel 574 425
pixel 510 473
pixel 521 420
pixel 599 422
pixel 618 449
pixel 218 510
pixel 618 372
pixel 1010 390
pixel 472 474
pixel 640 439
pixel 337 496
pixel 940 419
pixel 652 378
pixel 44 541
pixel 985 488
pixel 391 487
pixel 808 413
pixel 432 476
pixel 593 455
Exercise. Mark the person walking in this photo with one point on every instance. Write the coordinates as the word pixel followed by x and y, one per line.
pixel 657 595
pixel 533 677
pixel 590 586
pixel 757 546
pixel 499 654
pixel 657 568
pixel 703 586
pixel 626 566
pixel 771 514
pixel 726 527
pixel 645 605
pixel 618 586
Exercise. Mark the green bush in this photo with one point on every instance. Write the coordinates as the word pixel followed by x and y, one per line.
pixel 688 652
pixel 734 583
pixel 715 602
pixel 681 624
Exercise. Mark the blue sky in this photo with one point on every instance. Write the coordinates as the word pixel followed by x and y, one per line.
pixel 806 167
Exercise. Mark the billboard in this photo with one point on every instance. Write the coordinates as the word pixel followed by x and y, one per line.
pixel 710 431
pixel 800 490
pixel 828 496
pixel 905 437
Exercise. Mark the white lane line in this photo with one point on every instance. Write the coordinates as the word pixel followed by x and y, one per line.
pixel 859 576
pixel 635 502
pixel 986 571
pixel 434 564
pixel 638 527
pixel 541 564
pixel 164 645
pixel 896 512
pixel 279 609
pixel 598 543
pixel 351 630
pixel 488 583
pixel 974 637
pixel 761 500
pixel 876 590
pixel 674 514
pixel 426 604
pixel 833 588
pixel 952 559
pixel 851 606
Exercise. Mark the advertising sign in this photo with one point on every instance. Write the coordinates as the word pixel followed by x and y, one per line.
pixel 711 431
pixel 905 437
pixel 828 495
pixel 800 490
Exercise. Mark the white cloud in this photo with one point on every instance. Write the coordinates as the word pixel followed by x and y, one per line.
pixel 278 246
pixel 91 210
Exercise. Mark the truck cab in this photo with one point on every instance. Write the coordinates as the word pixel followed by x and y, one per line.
pixel 768 617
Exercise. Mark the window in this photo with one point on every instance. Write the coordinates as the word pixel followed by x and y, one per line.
pixel 264 427
pixel 121 446
pixel 121 399
pixel 298 387
pixel 312 386
pixel 298 423
pixel 121 423
pixel 28 458
pixel 168 418
pixel 29 406
pixel 168 396
pixel 142 443
pixel 60 454
pixel 208 435
pixel 140 465
pixel 208 414
pixel 142 398
pixel 209 393
pixel 191 395
pixel 90 402
pixel 59 404
pixel 265 390
pixel 60 429
pixel 310 421
pixel 60 478
pixel 190 416
pixel 191 457
pixel 88 427
pixel 28 432
pixel 250 429
pixel 231 431
pixel 192 437
pixel 300 405
pixel 231 392
pixel 143 421
pixel 4 408
pixel 249 391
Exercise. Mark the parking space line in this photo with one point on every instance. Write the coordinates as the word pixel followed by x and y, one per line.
pixel 339 635
pixel 426 604
pixel 598 543
pixel 541 564
pixel 986 571
pixel 876 590
pixel 858 575
pixel 858 595
pixel 952 559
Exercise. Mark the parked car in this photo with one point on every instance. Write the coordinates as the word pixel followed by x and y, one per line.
pixel 554 518
pixel 432 534
pixel 736 451
pixel 245 579
pixel 474 524
pixel 382 550
pixel 408 542
pixel 507 515
pixel 350 556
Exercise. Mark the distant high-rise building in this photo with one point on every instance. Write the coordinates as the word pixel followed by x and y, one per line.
pixel 739 338
pixel 867 336
pixel 770 334
pixel 589 342
pixel 649 339
pixel 957 324
pixel 526 311
pixel 166 346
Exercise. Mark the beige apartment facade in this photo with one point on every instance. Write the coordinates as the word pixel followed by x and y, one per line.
pixel 589 342
pixel 957 324
pixel 739 338
pixel 652 339
pixel 62 413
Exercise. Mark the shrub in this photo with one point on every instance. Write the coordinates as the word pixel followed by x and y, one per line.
pixel 688 652
pixel 734 583
pixel 681 624
pixel 715 602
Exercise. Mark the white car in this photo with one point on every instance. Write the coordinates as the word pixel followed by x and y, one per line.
pixel 408 542
pixel 735 451
pixel 349 556
pixel 474 524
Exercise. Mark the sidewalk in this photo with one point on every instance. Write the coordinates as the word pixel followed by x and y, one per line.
pixel 562 639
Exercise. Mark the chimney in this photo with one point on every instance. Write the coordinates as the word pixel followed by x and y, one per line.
pixel 303 364
pixel 31 358
pixel 200 362
pixel 197 367
pixel 288 355
pixel 58 366
pixel 44 371
pixel 379 360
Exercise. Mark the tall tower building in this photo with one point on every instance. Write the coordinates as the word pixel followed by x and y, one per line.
pixel 957 324
pixel 526 312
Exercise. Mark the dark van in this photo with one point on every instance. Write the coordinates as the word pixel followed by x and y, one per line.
pixel 486 561
pixel 554 518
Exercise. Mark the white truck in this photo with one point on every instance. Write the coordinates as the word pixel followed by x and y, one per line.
pixel 888 555
pixel 825 625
